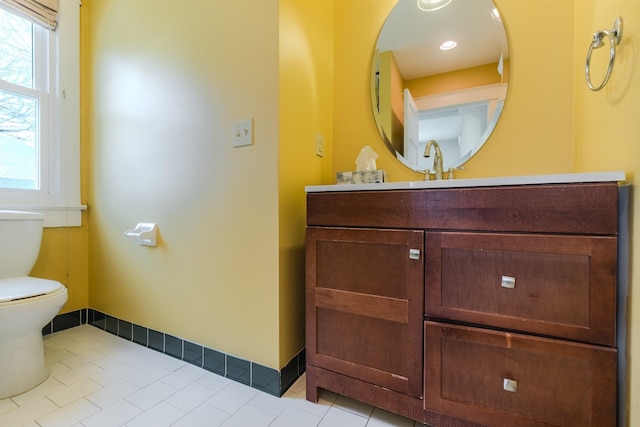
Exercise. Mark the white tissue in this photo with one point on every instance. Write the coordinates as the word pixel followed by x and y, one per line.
pixel 366 160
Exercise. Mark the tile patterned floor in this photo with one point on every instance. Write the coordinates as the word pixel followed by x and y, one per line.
pixel 98 379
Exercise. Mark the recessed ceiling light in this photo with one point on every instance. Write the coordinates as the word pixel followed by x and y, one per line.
pixel 448 45
pixel 431 5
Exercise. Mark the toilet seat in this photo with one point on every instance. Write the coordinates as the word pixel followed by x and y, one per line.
pixel 20 288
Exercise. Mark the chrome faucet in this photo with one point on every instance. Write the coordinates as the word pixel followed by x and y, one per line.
pixel 437 159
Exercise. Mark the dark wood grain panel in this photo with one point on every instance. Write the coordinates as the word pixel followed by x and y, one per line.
pixel 570 208
pixel 558 383
pixel 364 295
pixel 388 309
pixel 565 286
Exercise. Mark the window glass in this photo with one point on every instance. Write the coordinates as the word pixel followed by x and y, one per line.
pixel 18 142
pixel 16 45
pixel 19 111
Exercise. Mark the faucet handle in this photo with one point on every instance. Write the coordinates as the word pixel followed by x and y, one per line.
pixel 427 174
pixel 452 169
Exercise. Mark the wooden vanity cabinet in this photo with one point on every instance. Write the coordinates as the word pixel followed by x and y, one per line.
pixel 506 297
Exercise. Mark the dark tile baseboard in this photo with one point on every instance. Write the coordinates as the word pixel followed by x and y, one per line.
pixel 66 321
pixel 243 371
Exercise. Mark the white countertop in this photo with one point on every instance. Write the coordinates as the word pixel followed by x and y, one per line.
pixel 476 182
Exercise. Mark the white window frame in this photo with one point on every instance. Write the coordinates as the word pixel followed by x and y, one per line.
pixel 59 197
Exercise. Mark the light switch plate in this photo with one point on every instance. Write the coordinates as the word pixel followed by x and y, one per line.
pixel 243 133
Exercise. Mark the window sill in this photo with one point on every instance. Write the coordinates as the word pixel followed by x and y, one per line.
pixel 54 216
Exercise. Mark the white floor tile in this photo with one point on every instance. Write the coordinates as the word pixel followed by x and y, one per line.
pixel 65 395
pixel 112 372
pixel 85 346
pixel 116 346
pixel 117 414
pixel 136 356
pixel 48 386
pixel 190 397
pixel 70 414
pixel 318 409
pixel 214 381
pixel 76 374
pixel 112 361
pixel 160 415
pixel 75 360
pixel 167 362
pixel 53 356
pixel 86 332
pixel 232 397
pixel 112 393
pixel 7 405
pixel 270 404
pixel 33 410
pixel 184 376
pixel 58 341
pixel 57 368
pixel 338 418
pixel 296 417
pixel 147 376
pixel 249 416
pixel 151 395
pixel 203 415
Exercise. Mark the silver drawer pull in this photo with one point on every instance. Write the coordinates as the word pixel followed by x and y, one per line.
pixel 510 385
pixel 414 253
pixel 508 282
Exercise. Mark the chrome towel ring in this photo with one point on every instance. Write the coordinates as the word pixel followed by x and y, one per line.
pixel 614 35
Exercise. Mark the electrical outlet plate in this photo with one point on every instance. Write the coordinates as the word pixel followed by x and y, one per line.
pixel 242 133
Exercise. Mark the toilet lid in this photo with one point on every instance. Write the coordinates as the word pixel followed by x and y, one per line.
pixel 26 287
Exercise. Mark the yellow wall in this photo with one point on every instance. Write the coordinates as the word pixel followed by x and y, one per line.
pixel 607 132
pixel 165 86
pixel 64 257
pixel 306 111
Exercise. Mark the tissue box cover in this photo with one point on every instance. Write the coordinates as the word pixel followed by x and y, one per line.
pixel 361 177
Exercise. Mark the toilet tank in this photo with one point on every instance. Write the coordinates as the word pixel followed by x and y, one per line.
pixel 20 238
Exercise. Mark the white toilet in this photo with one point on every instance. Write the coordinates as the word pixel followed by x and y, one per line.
pixel 27 304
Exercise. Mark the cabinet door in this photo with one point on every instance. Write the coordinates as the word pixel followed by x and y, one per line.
pixel 554 285
pixel 501 379
pixel 364 308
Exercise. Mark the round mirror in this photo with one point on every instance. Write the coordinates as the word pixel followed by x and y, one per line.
pixel 439 74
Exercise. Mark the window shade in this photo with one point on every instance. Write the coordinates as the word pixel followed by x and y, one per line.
pixel 42 12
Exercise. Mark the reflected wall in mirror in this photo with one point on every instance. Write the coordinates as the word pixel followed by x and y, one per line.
pixel 422 91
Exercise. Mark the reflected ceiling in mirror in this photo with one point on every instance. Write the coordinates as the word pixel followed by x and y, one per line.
pixel 422 91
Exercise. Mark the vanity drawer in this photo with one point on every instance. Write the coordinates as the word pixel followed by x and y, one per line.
pixel 565 209
pixel 501 379
pixel 553 285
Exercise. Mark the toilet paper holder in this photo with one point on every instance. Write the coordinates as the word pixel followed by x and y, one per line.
pixel 145 233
